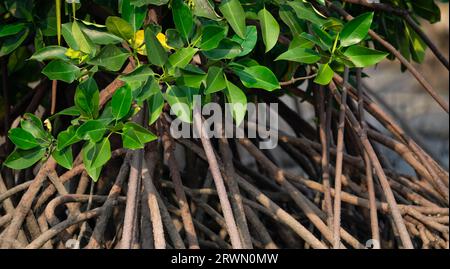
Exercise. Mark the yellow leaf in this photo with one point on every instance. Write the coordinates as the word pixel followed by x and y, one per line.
pixel 163 40
pixel 73 54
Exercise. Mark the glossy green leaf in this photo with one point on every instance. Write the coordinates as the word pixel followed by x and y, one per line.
pixel 21 159
pixel 61 70
pixel 288 16
pixel 182 57
pixel 356 30
pixel 64 157
pixel 156 54
pixel 120 27
pixel 111 58
pixel 181 101
pixel 84 43
pixel 204 8
pixel 95 155
pixel 135 136
pixel 140 74
pixel 325 39
pixel 133 14
pixel 306 12
pixel 269 28
pixel 22 139
pixel 150 88
pixel 99 35
pixel 259 77
pixel 363 57
pixel 33 125
pixel 67 138
pixel 10 43
pixel 324 75
pixel 92 130
pixel 155 107
pixel 11 29
pixel 87 98
pixel 300 55
pixel 249 42
pixel 238 102
pixel 70 111
pixel 234 13
pixel 50 53
pixel 215 81
pixel 211 36
pixel 227 49
pixel 66 30
pixel 182 17
pixel 121 102
pixel 141 3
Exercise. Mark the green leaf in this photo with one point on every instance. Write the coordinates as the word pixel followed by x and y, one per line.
pixel 174 39
pixel 182 17
pixel 11 43
pixel 259 77
pixel 227 49
pixel 288 16
pixel 238 102
pixel 429 10
pixel 87 98
pixel 150 88
pixel 156 54
pixel 120 27
pixel 182 57
pixel 155 107
pixel 50 53
pixel 99 35
pixel 249 42
pixel 191 80
pixel 67 138
pixel 60 70
pixel 269 28
pixel 215 81
pixel 140 3
pixel 324 75
pixel 204 8
pixel 234 13
pixel 33 125
pixel 306 12
pixel 133 14
pixel 300 55
pixel 64 157
pixel 92 130
pixel 181 101
pixel 84 43
pixel 135 136
pixel 325 39
pixel 356 30
pixel 121 102
pixel 11 29
pixel 211 36
pixel 95 155
pixel 418 46
pixel 300 42
pixel 363 57
pixel 21 159
pixel 94 173
pixel 140 74
pixel 66 30
pixel 70 111
pixel 22 139
pixel 111 58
